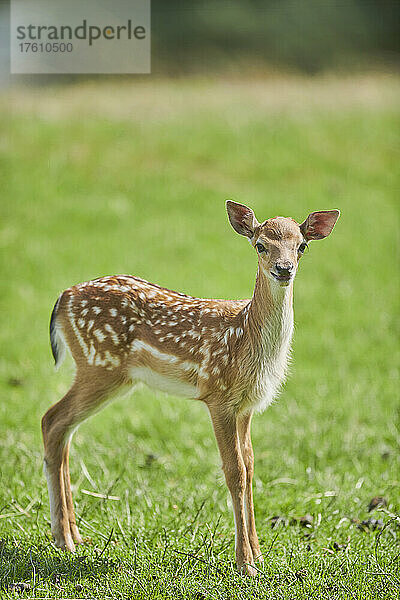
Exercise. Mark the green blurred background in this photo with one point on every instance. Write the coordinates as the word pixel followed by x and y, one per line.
pixel 242 37
pixel 308 36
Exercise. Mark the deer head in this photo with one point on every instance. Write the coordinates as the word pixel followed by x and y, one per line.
pixel 280 242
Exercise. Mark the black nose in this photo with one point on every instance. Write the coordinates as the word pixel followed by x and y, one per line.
pixel 284 268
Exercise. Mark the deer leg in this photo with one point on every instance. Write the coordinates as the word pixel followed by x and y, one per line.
pixel 76 536
pixel 226 434
pixel 57 425
pixel 244 425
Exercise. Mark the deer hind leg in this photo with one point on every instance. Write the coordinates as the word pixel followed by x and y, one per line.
pixel 58 424
pixel 244 424
pixel 76 536
pixel 226 434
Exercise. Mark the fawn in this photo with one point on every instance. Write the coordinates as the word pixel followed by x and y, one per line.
pixel 230 354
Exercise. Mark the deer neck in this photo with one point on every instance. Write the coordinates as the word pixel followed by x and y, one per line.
pixel 270 316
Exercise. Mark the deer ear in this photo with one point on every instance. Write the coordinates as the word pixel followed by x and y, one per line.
pixel 241 218
pixel 318 225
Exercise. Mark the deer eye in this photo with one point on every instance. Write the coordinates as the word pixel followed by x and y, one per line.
pixel 302 247
pixel 260 248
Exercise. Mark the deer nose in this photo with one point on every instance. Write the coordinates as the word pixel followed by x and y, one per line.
pixel 284 268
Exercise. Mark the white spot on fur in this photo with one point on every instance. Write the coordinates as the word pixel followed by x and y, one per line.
pixel 99 362
pixel 113 360
pixel 113 334
pixel 75 329
pixel 99 334
pixel 163 356
pixel 92 354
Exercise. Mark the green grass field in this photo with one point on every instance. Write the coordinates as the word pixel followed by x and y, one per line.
pixel 100 179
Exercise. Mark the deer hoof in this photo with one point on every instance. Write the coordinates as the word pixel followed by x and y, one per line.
pixel 248 571
pixel 64 543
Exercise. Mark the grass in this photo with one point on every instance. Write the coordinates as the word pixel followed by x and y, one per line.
pixel 96 181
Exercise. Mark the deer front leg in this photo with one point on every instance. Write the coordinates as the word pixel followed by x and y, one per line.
pixel 226 434
pixel 244 424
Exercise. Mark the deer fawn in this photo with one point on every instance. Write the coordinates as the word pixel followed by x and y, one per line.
pixel 231 354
